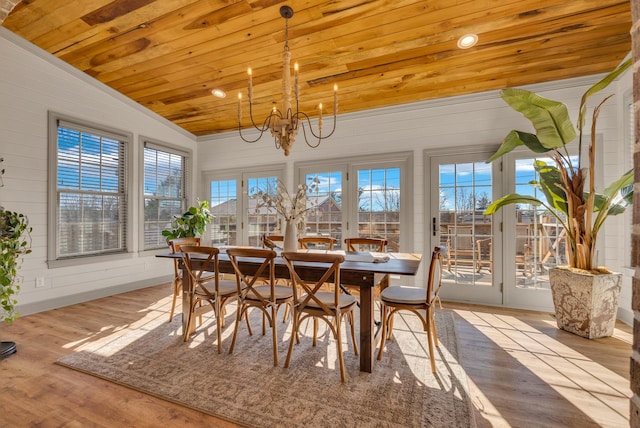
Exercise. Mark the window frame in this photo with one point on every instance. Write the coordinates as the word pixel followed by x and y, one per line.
pixel 52 189
pixel 187 182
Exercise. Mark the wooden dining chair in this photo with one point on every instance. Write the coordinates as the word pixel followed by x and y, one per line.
pixel 176 244
pixel 416 300
pixel 273 241
pixel 377 245
pixel 317 242
pixel 257 289
pixel 201 264
pixel 312 301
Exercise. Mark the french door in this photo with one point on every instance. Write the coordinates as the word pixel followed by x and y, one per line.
pixel 534 240
pixel 234 198
pixel 503 259
pixel 461 188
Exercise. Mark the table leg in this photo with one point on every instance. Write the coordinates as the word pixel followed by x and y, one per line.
pixel 186 298
pixel 367 332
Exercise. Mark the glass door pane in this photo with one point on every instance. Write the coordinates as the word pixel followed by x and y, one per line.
pixel 326 197
pixel 464 189
pixel 224 198
pixel 379 205
pixel 260 220
pixel 539 243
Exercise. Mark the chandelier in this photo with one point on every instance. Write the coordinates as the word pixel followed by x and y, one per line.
pixel 285 123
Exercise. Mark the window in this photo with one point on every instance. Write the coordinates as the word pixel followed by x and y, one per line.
pixel 89 213
pixel 166 176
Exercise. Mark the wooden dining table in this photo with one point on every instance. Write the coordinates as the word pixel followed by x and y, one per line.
pixel 364 274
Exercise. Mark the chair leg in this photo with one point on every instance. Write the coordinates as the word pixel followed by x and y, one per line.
pixel 315 331
pixel 218 316
pixel 239 313
pixel 385 326
pixel 294 336
pixel 245 312
pixel 274 333
pixel 353 333
pixel 343 375
pixel 176 291
pixel 264 319
pixel 187 332
pixel 390 326
pixel 430 343
pixel 432 323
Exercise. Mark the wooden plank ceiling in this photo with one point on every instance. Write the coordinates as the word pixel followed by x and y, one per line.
pixel 169 54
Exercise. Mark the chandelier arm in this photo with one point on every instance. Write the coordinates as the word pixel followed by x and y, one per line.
pixel 302 116
pixel 253 121
pixel 262 130
pixel 304 135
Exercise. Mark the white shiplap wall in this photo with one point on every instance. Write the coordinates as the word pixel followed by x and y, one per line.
pixel 31 85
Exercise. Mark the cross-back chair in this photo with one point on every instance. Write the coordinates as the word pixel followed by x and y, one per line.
pixel 175 245
pixel 273 241
pixel 418 300
pixel 378 245
pixel 311 301
pixel 257 289
pixel 201 264
pixel 317 242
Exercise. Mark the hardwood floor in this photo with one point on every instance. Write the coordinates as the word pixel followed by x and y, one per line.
pixel 523 371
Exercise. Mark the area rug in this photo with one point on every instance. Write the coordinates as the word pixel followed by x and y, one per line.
pixel 246 388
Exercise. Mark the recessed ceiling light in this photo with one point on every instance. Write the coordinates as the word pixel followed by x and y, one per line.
pixel 467 41
pixel 219 93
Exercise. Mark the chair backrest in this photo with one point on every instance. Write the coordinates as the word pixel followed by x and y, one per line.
pixel 317 242
pixel 272 241
pixel 434 280
pixel 176 245
pixel 248 276
pixel 199 261
pixel 460 237
pixel 331 274
pixel 378 245
pixel 523 238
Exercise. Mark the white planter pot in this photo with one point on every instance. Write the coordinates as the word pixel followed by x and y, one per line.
pixel 585 304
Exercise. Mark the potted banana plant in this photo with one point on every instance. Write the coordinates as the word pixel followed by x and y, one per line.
pixel 585 296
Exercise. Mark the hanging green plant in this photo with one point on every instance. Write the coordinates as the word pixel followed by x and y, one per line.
pixel 15 241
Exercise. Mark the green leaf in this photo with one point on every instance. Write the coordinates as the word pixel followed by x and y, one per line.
pixel 516 139
pixel 550 118
pixel 512 198
pixel 550 180
pixel 625 181
pixel 598 86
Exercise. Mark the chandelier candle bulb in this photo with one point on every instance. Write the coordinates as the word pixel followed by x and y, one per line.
pixel 320 117
pixel 297 84
pixel 250 90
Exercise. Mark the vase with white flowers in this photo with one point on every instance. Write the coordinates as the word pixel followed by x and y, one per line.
pixel 293 208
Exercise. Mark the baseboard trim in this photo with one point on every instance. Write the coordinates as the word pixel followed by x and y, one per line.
pixel 626 316
pixel 59 302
